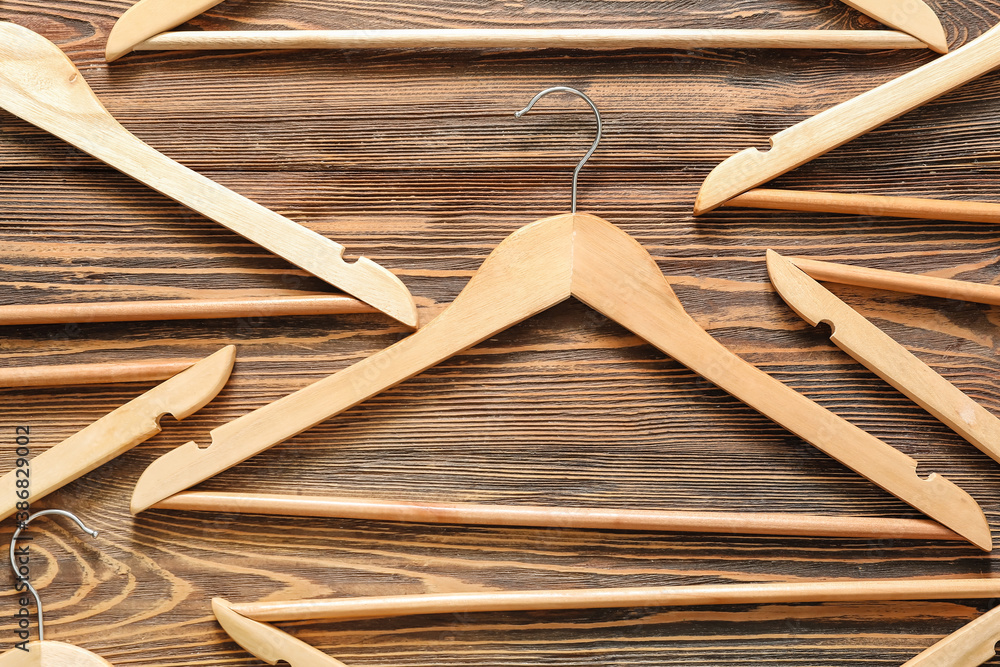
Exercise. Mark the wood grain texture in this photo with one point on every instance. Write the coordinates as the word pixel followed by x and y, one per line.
pixel 414 159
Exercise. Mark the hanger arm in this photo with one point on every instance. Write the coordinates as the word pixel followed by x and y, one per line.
pixel 836 126
pixel 885 357
pixel 970 646
pixel 118 431
pixel 266 642
pixel 896 207
pixel 344 609
pixel 145 19
pixel 39 84
pixel 531 268
pixel 914 18
pixel 644 303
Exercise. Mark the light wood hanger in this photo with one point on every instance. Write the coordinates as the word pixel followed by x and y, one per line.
pixel 143 26
pixel 40 85
pixel 118 431
pixel 534 269
pixel 729 523
pixel 882 355
pixel 45 652
pixel 836 126
pixel 248 624
pixel 969 646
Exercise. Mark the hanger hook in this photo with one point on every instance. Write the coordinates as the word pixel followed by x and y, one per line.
pixel 13 566
pixel 597 140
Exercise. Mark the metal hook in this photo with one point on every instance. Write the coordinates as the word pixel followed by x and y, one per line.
pixel 573 91
pixel 17 574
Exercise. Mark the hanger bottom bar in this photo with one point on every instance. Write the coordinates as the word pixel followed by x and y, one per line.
pixel 731 523
pixel 79 374
pixel 532 38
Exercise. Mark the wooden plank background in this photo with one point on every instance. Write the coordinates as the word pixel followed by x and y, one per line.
pixel 414 159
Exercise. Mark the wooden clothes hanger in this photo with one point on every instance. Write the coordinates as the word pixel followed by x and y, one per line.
pixel 117 432
pixel 836 126
pixel 534 269
pixel 249 624
pixel 45 652
pixel 969 646
pixel 140 28
pixel 40 85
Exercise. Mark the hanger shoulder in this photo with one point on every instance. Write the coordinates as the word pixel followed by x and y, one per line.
pixel 266 642
pixel 913 17
pixel 150 17
pixel 528 273
pixel 825 131
pixel 39 84
pixel 970 646
pixel 623 282
pixel 117 432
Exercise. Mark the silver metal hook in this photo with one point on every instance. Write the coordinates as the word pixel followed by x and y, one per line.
pixel 18 576
pixel 572 91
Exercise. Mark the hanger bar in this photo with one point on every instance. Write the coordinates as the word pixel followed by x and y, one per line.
pixel 969 646
pixel 140 27
pixel 182 309
pixel 897 207
pixel 79 374
pixel 344 609
pixel 908 283
pixel 40 85
pixel 885 357
pixel 730 523
pixel 119 431
pixel 836 126
pixel 489 38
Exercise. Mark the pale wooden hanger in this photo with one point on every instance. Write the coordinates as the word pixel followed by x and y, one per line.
pixel 248 624
pixel 836 126
pixel 40 85
pixel 45 652
pixel 117 432
pixel 142 27
pixel 534 269
pixel 882 355
pixel 969 646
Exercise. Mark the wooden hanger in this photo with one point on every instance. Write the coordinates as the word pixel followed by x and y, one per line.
pixel 534 269
pixel 141 28
pixel 884 356
pixel 117 432
pixel 969 646
pixel 836 126
pixel 45 652
pixel 248 624
pixel 39 84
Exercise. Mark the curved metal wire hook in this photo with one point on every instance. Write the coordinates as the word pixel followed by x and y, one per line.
pixel 573 91
pixel 19 577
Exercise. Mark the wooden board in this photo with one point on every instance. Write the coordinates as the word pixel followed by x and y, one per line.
pixel 415 160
